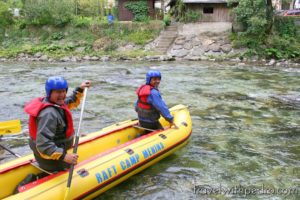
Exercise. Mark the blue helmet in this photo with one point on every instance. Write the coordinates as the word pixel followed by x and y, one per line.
pixel 55 83
pixel 152 73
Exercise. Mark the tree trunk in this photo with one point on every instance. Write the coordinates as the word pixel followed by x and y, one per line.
pixel 269 16
pixel 162 8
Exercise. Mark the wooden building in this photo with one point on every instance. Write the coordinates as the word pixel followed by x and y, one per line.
pixel 126 15
pixel 210 10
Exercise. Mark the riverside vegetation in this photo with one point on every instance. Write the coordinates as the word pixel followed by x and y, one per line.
pixel 50 30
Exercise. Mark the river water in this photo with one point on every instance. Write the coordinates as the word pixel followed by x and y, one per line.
pixel 245 142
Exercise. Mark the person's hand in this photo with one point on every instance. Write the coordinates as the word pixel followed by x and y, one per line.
pixel 173 125
pixel 71 158
pixel 85 84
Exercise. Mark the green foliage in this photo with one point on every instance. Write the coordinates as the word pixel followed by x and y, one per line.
pixel 89 8
pixel 62 41
pixel 57 36
pixel 256 27
pixel 115 12
pixel 167 20
pixel 48 12
pixel 252 15
pixel 14 3
pixel 79 21
pixel 111 46
pixel 6 17
pixel 285 26
pixel 139 10
pixel 273 53
pixel 192 16
pixel 182 14
pixel 140 37
pixel 179 11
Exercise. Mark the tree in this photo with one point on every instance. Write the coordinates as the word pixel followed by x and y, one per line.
pixel 6 18
pixel 162 8
pixel 269 16
pixel 255 15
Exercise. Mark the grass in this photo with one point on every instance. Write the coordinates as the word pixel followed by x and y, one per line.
pixel 59 42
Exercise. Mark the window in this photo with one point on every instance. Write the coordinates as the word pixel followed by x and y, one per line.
pixel 208 10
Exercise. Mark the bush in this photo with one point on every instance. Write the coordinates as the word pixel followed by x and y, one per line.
pixel 167 20
pixel 192 16
pixel 81 21
pixel 48 12
pixel 139 10
pixel 285 26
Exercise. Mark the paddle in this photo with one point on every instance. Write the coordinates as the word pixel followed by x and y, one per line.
pixel 18 156
pixel 75 147
pixel 10 127
pixel 147 129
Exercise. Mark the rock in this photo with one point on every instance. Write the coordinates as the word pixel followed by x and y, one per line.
pixel 179 41
pixel 86 57
pixel 65 59
pixel 38 54
pixel 241 64
pixel 177 47
pixel 182 53
pixel 226 48
pixel 193 58
pixel 198 51
pixel 188 46
pixel 207 42
pixel 104 58
pixel 94 58
pixel 74 59
pixel 44 58
pixel 196 42
pixel 272 62
pixel 166 58
pixel 215 47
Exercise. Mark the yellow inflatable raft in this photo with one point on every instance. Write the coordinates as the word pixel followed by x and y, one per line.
pixel 106 158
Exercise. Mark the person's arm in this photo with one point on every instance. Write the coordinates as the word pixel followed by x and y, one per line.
pixel 74 100
pixel 156 100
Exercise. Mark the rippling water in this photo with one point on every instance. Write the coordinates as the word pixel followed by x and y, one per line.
pixel 246 124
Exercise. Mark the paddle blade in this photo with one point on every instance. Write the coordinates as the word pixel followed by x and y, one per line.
pixel 10 127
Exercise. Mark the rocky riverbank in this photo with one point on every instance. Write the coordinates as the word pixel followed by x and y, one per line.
pixel 203 42
pixel 177 53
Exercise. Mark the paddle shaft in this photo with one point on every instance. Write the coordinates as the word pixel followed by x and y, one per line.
pixel 147 129
pixel 10 151
pixel 19 156
pixel 76 144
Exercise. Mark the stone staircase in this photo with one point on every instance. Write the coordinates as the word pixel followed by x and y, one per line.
pixel 166 38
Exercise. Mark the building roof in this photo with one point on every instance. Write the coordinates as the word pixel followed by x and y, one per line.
pixel 204 1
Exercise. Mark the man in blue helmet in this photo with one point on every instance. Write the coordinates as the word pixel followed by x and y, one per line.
pixel 51 125
pixel 150 104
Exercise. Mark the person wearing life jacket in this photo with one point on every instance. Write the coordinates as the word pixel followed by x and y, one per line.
pixel 150 104
pixel 51 125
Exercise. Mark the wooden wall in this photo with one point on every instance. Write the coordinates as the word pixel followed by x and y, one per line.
pixel 126 15
pixel 221 13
